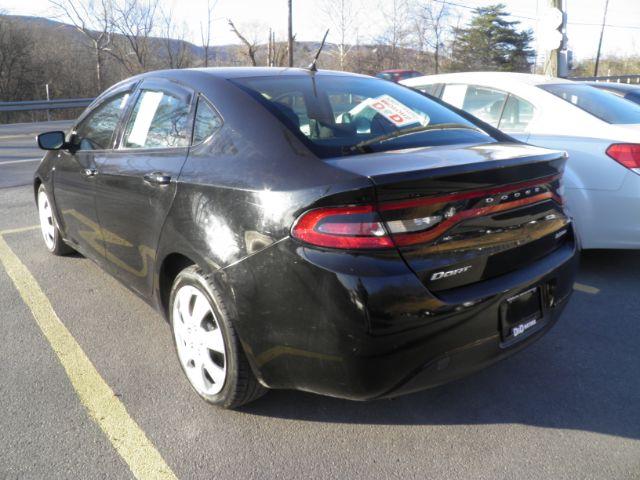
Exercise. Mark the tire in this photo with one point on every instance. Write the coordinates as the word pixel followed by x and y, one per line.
pixel 49 227
pixel 207 343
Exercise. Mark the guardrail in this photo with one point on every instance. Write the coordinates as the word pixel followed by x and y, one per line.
pixel 56 104
pixel 632 79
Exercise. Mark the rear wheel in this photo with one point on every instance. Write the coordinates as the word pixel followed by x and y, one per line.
pixel 48 227
pixel 207 344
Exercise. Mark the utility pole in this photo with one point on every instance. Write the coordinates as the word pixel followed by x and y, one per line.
pixel 604 20
pixel 555 40
pixel 290 39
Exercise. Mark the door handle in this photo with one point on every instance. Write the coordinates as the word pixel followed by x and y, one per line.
pixel 157 178
pixel 90 172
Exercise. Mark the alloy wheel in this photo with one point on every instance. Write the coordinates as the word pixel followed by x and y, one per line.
pixel 47 225
pixel 199 341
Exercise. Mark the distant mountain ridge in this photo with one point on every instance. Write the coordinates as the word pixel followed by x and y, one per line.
pixel 218 54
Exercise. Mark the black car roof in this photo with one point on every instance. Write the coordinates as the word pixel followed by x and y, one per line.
pixel 245 72
pixel 197 76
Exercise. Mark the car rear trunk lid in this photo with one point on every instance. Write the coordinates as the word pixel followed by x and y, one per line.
pixel 463 214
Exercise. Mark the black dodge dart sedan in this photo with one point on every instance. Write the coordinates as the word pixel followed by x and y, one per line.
pixel 312 230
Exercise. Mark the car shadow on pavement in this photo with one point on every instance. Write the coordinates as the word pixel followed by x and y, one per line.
pixel 583 375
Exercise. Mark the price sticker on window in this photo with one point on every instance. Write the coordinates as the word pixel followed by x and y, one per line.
pixel 394 111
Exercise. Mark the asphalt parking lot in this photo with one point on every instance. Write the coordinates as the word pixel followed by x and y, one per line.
pixel 567 407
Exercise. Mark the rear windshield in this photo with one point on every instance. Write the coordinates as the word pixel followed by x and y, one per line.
pixel 607 107
pixel 342 115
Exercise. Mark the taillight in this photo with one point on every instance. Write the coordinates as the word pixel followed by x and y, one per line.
pixel 419 220
pixel 626 154
pixel 349 227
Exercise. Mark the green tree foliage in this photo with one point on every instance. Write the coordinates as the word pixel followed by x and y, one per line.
pixel 491 42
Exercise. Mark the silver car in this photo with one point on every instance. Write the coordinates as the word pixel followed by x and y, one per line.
pixel 601 133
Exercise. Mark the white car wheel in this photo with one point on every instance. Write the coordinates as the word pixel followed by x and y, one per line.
pixel 209 350
pixel 47 223
pixel 199 341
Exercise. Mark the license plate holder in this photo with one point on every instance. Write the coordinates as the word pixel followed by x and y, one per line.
pixel 521 315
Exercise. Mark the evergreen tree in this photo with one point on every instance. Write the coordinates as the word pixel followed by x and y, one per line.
pixel 491 42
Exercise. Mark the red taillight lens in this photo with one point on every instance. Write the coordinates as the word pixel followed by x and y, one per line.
pixel 349 227
pixel 627 154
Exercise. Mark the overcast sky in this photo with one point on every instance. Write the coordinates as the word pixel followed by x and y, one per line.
pixel 621 37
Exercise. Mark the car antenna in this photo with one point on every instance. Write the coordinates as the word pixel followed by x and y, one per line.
pixel 312 66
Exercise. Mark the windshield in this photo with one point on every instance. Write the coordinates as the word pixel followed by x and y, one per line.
pixel 607 107
pixel 343 115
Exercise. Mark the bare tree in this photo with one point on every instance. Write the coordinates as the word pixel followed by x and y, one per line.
pixel 251 46
pixel 342 16
pixel 16 65
pixel 396 31
pixel 205 31
pixel 277 51
pixel 94 19
pixel 431 22
pixel 174 40
pixel 134 21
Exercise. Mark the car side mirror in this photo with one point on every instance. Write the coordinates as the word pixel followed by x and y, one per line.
pixel 51 140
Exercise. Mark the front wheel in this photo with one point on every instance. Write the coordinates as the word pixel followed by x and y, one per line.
pixel 50 232
pixel 207 344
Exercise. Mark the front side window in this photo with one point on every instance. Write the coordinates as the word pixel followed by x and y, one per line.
pixel 207 121
pixel 344 115
pixel 159 120
pixel 598 103
pixel 95 132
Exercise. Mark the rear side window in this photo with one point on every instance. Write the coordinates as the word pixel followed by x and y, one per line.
pixel 207 121
pixel 598 103
pixel 517 115
pixel 633 97
pixel 432 89
pixel 454 95
pixel 484 103
pixel 96 131
pixel 159 120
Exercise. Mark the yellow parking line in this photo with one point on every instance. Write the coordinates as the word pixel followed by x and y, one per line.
pixel 581 287
pixel 95 394
pixel 20 230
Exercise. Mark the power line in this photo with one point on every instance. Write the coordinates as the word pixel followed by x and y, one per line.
pixel 586 24
pixel 469 7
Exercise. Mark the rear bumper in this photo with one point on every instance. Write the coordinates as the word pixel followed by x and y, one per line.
pixel 608 218
pixel 470 358
pixel 321 327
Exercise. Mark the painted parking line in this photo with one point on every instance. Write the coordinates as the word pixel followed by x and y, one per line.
pixel 581 287
pixel 131 443
pixel 25 160
pixel 19 229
